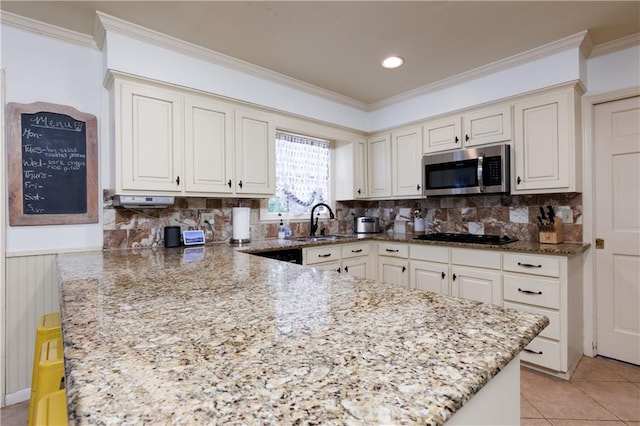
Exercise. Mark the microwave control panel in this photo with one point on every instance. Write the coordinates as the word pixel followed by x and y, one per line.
pixel 492 171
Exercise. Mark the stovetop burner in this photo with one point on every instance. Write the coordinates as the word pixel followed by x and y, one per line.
pixel 466 238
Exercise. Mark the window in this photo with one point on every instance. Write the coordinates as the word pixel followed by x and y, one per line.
pixel 302 176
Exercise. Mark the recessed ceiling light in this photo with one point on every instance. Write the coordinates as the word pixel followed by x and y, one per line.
pixel 392 62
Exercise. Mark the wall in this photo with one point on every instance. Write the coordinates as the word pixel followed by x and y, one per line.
pixel 514 216
pixel 47 70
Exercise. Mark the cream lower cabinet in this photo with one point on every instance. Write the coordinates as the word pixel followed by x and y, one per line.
pixel 429 268
pixel 393 263
pixel 356 260
pixel 476 275
pixel 172 141
pixel 551 286
pixel 323 257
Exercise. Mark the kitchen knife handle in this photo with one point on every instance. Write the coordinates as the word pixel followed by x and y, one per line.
pixel 529 291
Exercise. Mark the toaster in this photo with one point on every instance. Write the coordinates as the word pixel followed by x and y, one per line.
pixel 366 225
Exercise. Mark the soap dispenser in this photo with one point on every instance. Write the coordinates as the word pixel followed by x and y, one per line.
pixel 281 231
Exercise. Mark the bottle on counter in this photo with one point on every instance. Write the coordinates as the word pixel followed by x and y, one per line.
pixel 281 231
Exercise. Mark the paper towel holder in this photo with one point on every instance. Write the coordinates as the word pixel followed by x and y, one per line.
pixel 240 241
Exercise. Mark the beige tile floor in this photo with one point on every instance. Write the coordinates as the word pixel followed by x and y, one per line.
pixel 601 392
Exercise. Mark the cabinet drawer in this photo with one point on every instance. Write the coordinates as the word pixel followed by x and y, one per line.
pixel 353 250
pixel 429 253
pixel 393 250
pixel 528 264
pixel 543 352
pixel 315 255
pixel 531 290
pixel 480 258
pixel 328 266
pixel 552 331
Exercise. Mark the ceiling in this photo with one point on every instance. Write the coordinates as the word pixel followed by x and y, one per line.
pixel 338 45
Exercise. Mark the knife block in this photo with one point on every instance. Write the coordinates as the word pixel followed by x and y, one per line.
pixel 553 235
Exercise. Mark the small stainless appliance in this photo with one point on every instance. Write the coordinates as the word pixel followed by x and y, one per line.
pixel 366 225
pixel 467 171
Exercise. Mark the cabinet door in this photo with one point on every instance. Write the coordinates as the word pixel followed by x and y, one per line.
pixel 406 162
pixel 379 166
pixel 430 276
pixel 489 125
pixel 255 153
pixel 477 284
pixel 357 266
pixel 208 146
pixel 442 134
pixel 328 266
pixel 360 169
pixel 393 270
pixel 541 144
pixel 150 141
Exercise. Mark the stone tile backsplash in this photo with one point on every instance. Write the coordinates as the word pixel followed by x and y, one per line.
pixel 510 215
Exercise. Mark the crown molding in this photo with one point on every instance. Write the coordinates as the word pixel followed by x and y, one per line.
pixel 616 45
pixel 570 42
pixel 48 30
pixel 106 23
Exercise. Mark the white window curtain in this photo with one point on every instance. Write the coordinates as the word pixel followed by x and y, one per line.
pixel 302 174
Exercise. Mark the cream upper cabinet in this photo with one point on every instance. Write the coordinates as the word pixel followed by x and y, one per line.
pixel 208 145
pixel 360 169
pixel 172 141
pixel 442 134
pixel 350 169
pixel 487 125
pixel 546 152
pixel 148 138
pixel 255 153
pixel 475 127
pixel 379 166
pixel 406 161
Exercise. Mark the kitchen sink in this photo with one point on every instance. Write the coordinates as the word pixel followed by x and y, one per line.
pixel 309 239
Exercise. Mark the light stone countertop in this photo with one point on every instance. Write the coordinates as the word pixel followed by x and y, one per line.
pixel 152 337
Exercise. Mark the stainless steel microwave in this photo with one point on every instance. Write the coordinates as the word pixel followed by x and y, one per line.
pixel 467 171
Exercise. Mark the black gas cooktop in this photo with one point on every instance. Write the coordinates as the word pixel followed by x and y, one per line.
pixel 466 238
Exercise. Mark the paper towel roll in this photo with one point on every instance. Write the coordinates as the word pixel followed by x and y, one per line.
pixel 240 223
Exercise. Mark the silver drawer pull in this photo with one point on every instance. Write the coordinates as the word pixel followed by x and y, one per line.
pixel 324 255
pixel 529 265
pixel 531 351
pixel 392 251
pixel 356 251
pixel 529 291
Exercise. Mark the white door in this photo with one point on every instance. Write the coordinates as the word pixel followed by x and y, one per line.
pixel 255 153
pixel 617 222
pixel 379 166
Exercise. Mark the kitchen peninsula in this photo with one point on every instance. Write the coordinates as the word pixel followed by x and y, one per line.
pixel 221 336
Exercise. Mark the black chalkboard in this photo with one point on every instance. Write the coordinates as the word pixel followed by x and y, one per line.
pixel 54 164
pixel 53 176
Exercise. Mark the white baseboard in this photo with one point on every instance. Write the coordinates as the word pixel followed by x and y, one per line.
pixel 16 397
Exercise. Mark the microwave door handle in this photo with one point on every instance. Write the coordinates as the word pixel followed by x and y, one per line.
pixel 480 181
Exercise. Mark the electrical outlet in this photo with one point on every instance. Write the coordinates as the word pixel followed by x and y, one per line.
pixel 567 216
pixel 207 217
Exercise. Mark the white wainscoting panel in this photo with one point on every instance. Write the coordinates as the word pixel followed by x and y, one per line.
pixel 31 291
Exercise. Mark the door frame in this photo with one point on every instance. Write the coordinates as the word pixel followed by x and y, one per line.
pixel 588 215
pixel 3 232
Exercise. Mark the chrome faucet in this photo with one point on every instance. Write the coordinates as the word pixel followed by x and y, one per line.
pixel 314 226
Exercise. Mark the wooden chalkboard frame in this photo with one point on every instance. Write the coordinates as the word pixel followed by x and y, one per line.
pixel 17 216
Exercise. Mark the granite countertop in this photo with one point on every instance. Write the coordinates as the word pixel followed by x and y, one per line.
pixel 563 249
pixel 152 337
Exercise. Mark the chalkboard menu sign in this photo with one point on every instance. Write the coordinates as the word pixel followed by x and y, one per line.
pixel 52 165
